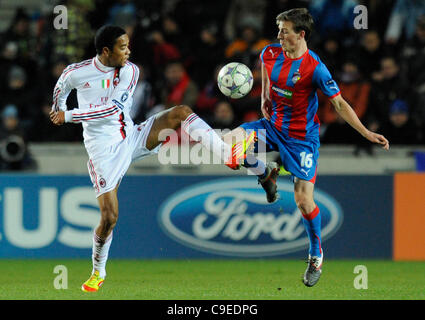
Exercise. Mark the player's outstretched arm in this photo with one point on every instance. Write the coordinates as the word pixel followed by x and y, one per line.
pixel 117 102
pixel 266 103
pixel 85 115
pixel 348 114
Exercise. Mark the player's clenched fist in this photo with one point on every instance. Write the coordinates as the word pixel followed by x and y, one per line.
pixel 57 117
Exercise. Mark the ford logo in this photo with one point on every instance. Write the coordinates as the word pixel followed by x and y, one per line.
pixel 232 217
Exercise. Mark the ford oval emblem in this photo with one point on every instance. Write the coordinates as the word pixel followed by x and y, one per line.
pixel 232 217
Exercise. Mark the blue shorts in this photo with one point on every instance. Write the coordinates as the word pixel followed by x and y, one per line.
pixel 298 157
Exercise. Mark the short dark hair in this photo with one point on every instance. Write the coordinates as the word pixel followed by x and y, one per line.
pixel 106 37
pixel 301 19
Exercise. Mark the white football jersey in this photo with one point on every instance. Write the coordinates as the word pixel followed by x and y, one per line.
pixel 105 96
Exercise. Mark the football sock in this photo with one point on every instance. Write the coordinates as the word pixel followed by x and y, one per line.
pixel 257 167
pixel 312 224
pixel 100 253
pixel 201 132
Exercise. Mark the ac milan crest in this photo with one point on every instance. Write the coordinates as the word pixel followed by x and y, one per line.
pixel 116 77
pixel 102 182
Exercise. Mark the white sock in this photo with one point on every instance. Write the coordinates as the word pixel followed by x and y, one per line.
pixel 100 253
pixel 200 131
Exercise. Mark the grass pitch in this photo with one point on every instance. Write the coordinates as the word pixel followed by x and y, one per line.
pixel 212 280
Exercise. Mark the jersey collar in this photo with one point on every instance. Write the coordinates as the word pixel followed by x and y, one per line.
pixel 303 55
pixel 99 66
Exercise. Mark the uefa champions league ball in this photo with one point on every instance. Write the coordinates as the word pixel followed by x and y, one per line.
pixel 235 80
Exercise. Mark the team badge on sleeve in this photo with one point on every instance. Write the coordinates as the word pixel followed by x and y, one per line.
pixel 124 96
pixel 331 84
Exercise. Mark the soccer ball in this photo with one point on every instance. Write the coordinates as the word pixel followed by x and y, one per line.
pixel 235 80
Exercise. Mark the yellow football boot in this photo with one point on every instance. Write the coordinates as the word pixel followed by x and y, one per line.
pixel 239 150
pixel 93 283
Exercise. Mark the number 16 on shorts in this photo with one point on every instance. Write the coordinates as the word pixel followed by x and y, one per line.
pixel 306 160
pixel 306 163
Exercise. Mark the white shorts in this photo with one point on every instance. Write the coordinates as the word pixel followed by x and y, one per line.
pixel 108 167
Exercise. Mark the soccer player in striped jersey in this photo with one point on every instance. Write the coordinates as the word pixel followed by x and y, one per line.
pixel 291 74
pixel 105 85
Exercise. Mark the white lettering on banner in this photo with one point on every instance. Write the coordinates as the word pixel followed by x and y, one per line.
pixel 233 222
pixel 73 213
pixel 13 219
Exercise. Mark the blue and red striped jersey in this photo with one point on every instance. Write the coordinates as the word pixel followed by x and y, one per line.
pixel 293 86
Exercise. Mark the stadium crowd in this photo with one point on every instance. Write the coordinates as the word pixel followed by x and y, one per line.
pixel 180 45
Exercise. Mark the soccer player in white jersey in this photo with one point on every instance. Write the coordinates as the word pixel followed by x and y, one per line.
pixel 105 85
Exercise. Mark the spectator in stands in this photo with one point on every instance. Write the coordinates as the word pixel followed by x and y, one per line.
pixel 209 95
pixel 387 86
pixel 191 15
pixel 275 7
pixel 354 89
pixel 413 56
pixel 173 34
pixel 123 12
pixel 78 44
pixel 333 16
pixel 8 58
pixel 179 87
pixel 245 12
pixel 331 53
pixel 51 76
pixel 370 53
pixel 224 117
pixel 209 53
pixel 248 45
pixel 143 98
pixel 404 17
pixel 19 93
pixel 378 12
pixel 18 35
pixel 43 131
pixel 339 132
pixel 191 31
pixel 14 154
pixel 252 101
pixel 413 64
pixel 251 116
pixel 163 51
pixel 400 127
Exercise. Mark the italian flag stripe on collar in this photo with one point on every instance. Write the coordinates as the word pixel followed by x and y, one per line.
pixel 106 83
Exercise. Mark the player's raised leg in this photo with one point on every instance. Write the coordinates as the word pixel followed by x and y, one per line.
pixel 102 239
pixel 198 130
pixel 266 173
pixel 303 193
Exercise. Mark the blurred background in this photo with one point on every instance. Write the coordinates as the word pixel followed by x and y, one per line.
pixel 179 46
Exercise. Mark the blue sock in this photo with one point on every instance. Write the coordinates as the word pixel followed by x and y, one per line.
pixel 312 224
pixel 254 165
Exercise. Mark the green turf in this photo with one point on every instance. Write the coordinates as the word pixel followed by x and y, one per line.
pixel 212 279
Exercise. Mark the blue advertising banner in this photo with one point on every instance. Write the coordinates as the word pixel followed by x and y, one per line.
pixel 194 217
